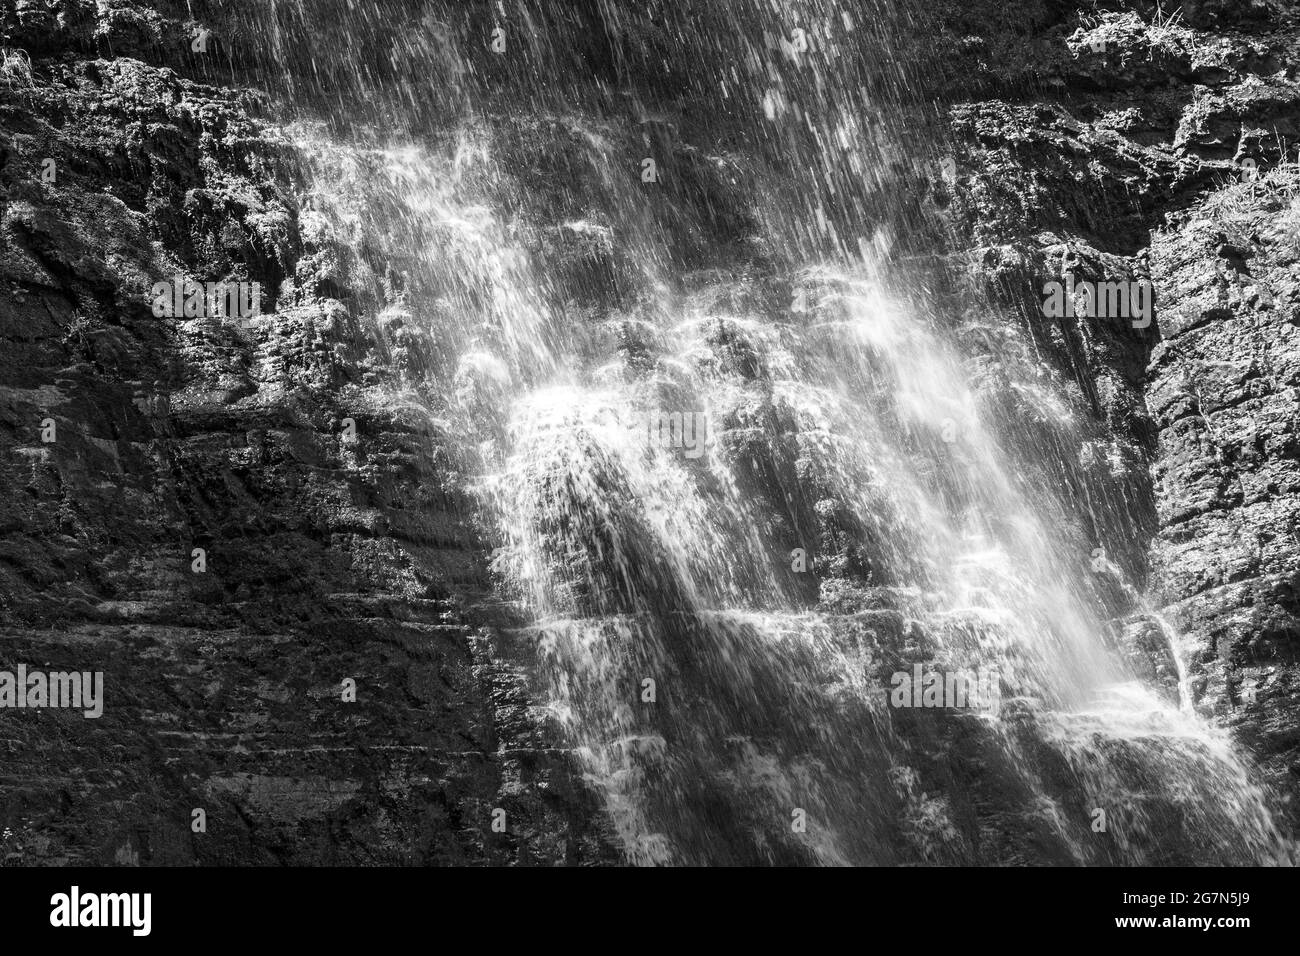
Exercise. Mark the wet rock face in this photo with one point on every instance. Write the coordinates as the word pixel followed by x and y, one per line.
pixel 1225 391
pixel 230 521
pixel 1166 148
pixel 1106 144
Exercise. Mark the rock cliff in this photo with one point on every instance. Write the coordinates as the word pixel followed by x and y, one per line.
pixel 232 520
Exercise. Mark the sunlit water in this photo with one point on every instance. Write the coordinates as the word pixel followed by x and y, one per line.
pixel 728 508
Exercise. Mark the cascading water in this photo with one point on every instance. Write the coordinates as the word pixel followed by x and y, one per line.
pixel 736 449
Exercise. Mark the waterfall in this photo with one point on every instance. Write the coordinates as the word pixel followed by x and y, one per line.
pixel 749 451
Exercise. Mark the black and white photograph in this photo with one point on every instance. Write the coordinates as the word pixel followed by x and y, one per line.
pixel 591 435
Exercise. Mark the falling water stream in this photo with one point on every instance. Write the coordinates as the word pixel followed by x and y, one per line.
pixel 736 472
